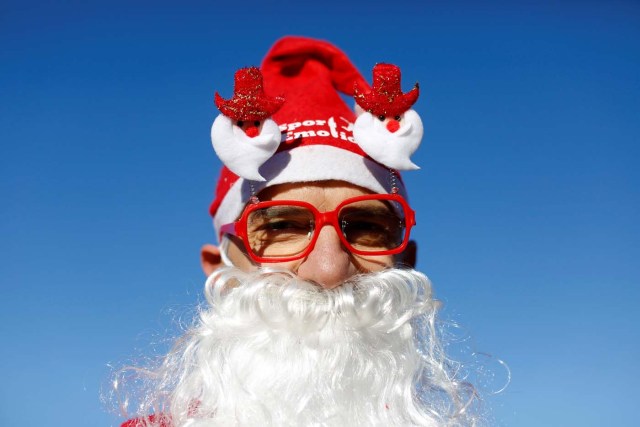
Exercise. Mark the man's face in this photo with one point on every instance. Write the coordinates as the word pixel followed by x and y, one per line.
pixel 329 263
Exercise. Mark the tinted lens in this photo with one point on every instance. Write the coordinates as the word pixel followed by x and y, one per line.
pixel 373 225
pixel 279 231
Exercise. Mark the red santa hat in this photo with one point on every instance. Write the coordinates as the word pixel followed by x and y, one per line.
pixel 315 140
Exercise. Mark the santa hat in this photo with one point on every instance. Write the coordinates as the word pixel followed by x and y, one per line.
pixel 309 136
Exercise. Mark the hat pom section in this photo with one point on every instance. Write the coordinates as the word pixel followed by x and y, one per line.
pixel 241 153
pixel 390 142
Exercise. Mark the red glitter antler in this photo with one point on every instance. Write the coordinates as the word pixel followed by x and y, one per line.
pixel 385 98
pixel 249 102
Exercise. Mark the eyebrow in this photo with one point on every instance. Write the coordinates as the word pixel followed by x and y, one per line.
pixel 282 210
pixel 371 210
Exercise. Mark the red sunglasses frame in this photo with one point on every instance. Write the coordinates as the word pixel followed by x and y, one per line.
pixel 239 227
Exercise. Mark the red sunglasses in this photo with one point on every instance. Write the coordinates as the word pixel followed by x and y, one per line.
pixel 287 230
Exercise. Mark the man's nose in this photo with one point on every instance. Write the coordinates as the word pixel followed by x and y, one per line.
pixel 329 263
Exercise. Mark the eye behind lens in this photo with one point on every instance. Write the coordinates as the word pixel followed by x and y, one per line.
pixel 373 225
pixel 279 231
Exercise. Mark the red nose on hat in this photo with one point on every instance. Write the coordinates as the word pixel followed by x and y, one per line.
pixel 249 101
pixel 385 98
pixel 393 125
pixel 252 131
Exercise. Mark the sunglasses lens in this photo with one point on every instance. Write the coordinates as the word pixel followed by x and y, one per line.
pixel 280 231
pixel 373 225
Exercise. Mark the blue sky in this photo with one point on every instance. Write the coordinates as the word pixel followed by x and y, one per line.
pixel 527 200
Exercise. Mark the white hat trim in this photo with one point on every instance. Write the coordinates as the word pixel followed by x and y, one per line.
pixel 305 164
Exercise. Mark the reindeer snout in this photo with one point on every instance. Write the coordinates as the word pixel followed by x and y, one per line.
pixel 393 125
pixel 252 131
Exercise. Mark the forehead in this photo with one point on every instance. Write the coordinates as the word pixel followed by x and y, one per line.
pixel 321 194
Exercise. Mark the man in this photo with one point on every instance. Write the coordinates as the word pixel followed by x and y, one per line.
pixel 314 316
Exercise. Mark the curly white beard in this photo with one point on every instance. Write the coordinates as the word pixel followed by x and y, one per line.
pixel 272 349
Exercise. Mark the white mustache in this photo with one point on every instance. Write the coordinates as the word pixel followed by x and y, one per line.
pixel 381 301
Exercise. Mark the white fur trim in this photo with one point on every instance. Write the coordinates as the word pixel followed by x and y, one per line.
pixel 392 149
pixel 305 164
pixel 241 154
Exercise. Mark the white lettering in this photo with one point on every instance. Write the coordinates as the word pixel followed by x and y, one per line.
pixel 304 134
pixel 332 127
pixel 335 130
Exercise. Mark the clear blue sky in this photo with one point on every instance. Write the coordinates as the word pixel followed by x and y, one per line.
pixel 528 198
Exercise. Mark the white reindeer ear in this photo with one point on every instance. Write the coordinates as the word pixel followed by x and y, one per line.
pixel 244 155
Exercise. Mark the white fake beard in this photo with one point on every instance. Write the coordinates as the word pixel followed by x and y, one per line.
pixel 272 349
pixel 242 154
pixel 392 149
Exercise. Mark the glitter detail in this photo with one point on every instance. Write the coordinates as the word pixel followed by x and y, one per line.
pixel 253 200
pixel 385 98
pixel 249 102
pixel 394 190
